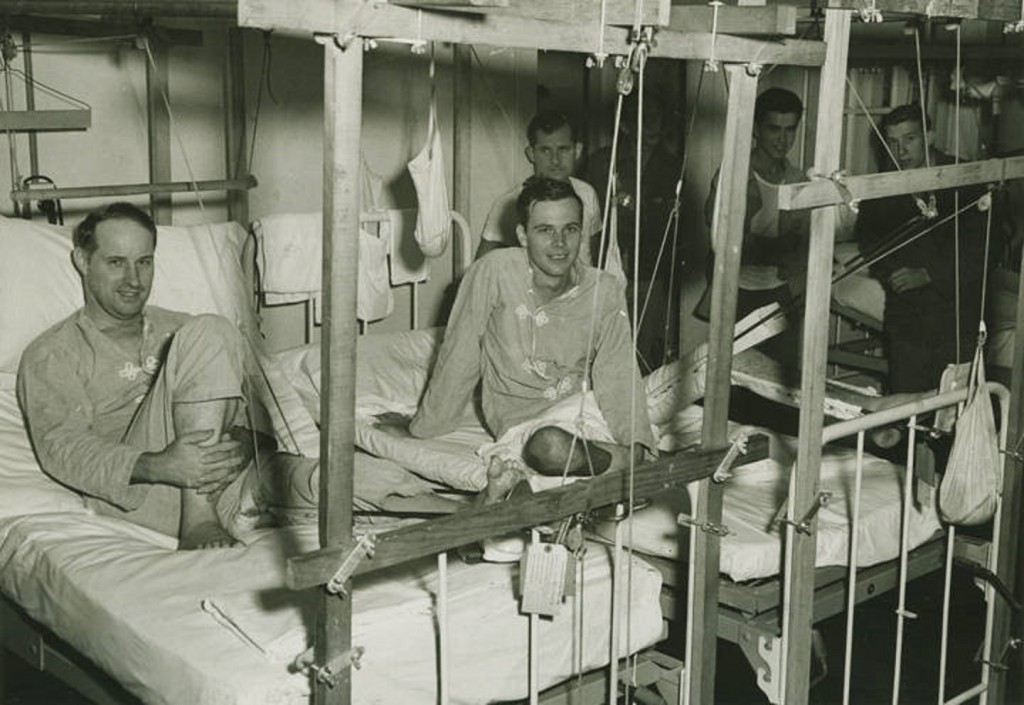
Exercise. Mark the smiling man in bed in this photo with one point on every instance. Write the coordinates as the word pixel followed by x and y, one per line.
pixel 138 408
pixel 521 326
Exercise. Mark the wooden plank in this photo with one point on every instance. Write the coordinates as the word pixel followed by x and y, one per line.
pixel 343 104
pixel 158 127
pixel 727 238
pixel 814 194
pixel 1008 548
pixel 803 487
pixel 236 144
pixel 305 17
pixel 771 19
pixel 997 10
pixel 477 523
pixel 462 141
pixel 873 52
pixel 219 9
pixel 617 12
pixel 63 26
pixel 45 120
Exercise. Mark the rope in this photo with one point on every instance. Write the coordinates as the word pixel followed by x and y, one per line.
pixel 712 63
pixel 600 55
pixel 874 125
pixel 956 200
pixel 921 90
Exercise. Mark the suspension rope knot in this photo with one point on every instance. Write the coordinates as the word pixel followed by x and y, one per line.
pixel 871 13
pixel 929 209
pixel 712 64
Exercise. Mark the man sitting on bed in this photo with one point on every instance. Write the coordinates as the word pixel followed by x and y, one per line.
pixel 521 326
pixel 136 407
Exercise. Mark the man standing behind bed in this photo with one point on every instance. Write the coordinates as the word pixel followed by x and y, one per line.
pixel 132 405
pixel 521 325
pixel 920 278
pixel 553 148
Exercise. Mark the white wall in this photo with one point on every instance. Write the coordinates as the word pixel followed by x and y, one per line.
pixel 288 155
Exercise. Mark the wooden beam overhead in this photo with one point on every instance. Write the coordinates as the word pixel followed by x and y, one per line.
pixel 996 10
pixel 62 26
pixel 814 194
pixel 778 20
pixel 220 9
pixel 354 18
pixel 617 12
pixel 477 523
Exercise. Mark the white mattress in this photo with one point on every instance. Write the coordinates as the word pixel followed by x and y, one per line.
pixel 753 547
pixel 120 596
pixel 751 500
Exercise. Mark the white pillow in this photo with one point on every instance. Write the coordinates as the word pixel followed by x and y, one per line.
pixel 198 270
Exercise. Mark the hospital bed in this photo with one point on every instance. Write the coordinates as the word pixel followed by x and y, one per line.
pixel 114 610
pixel 896 540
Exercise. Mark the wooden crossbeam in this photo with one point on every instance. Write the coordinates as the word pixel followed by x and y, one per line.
pixel 348 18
pixel 777 20
pixel 814 194
pixel 997 10
pixel 87 28
pixel 45 120
pixel 477 523
pixel 616 12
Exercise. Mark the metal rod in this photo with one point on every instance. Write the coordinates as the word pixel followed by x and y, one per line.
pixel 30 102
pixel 221 9
pixel 25 195
pixel 843 429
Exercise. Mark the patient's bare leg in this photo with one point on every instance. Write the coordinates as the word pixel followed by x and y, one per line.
pixel 551 451
pixel 200 527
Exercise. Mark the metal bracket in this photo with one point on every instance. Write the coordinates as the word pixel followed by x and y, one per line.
pixel 328 674
pixel 764 653
pixel 803 526
pixel 708 527
pixel 1000 664
pixel 738 448
pixel 364 548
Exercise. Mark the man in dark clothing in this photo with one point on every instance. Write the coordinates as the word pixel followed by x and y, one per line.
pixel 920 278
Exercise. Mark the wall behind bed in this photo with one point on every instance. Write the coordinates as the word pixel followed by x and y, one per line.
pixel 110 75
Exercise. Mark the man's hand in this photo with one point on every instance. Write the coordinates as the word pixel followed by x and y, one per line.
pixel 187 464
pixel 393 424
pixel 908 278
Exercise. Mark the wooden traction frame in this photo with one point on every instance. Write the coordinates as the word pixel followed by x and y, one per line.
pixel 345 22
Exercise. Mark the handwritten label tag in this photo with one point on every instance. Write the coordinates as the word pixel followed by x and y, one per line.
pixel 542 573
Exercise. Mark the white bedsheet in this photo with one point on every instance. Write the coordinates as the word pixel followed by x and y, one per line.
pixel 119 595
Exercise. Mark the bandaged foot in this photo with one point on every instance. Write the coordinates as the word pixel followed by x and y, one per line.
pixel 208 534
pixel 502 478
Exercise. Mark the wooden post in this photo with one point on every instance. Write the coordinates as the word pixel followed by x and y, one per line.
pixel 236 146
pixel 159 125
pixel 798 595
pixel 1010 522
pixel 462 65
pixel 727 237
pixel 343 103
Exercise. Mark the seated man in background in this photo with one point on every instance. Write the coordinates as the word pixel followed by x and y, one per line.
pixel 138 408
pixel 553 149
pixel 522 327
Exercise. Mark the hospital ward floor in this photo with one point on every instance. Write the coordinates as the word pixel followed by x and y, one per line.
pixel 735 685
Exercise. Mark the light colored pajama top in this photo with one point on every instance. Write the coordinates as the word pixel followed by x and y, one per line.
pixel 531 356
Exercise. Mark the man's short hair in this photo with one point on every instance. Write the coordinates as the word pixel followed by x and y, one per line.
pixel 542 188
pixel 911 112
pixel 777 100
pixel 84 236
pixel 549 121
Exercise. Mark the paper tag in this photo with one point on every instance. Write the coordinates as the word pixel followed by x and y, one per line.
pixel 542 573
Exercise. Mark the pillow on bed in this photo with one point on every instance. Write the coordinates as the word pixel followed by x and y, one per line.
pixel 39 286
